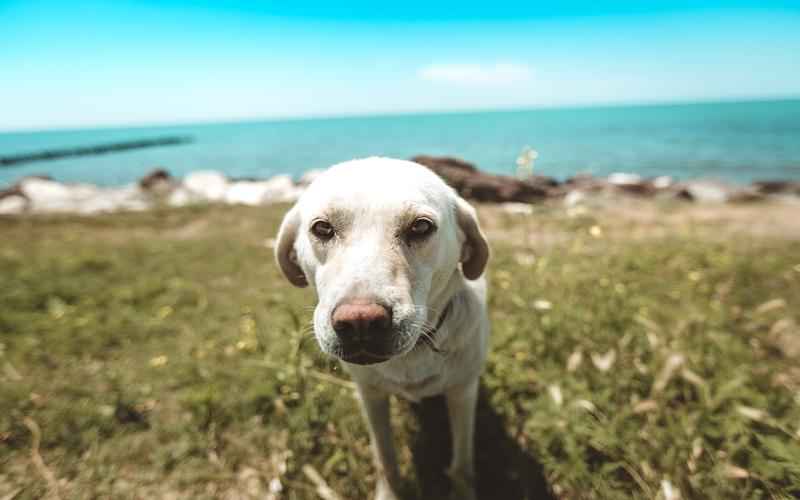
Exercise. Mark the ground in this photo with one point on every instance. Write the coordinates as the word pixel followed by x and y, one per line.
pixel 639 350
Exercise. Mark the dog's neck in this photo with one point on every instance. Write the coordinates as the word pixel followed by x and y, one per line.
pixel 441 302
pixel 431 334
pixel 443 289
pixel 442 317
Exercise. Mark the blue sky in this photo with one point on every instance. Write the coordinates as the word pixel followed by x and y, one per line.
pixel 87 63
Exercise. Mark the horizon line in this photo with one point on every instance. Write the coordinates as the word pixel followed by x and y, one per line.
pixel 388 114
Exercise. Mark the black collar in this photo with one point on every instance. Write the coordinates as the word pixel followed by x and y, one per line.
pixel 443 317
pixel 429 338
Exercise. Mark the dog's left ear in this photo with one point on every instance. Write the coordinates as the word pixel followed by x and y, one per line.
pixel 285 253
pixel 475 250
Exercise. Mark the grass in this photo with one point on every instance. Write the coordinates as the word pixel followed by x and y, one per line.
pixel 162 355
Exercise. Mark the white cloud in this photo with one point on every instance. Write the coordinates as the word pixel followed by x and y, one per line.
pixel 476 74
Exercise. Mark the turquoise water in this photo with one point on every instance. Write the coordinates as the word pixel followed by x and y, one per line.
pixel 739 141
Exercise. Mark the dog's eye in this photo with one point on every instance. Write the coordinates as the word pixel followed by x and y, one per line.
pixel 421 228
pixel 322 230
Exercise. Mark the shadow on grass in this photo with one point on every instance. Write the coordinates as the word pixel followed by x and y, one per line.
pixel 503 468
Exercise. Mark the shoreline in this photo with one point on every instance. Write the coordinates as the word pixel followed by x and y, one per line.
pixel 33 195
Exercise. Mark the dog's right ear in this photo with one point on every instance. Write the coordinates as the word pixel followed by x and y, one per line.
pixel 475 250
pixel 285 253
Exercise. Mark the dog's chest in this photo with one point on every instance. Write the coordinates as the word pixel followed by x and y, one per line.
pixel 414 379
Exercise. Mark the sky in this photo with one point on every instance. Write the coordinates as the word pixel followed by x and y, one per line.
pixel 89 63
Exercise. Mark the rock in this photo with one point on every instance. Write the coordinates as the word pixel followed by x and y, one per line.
pixel 454 171
pixel 777 187
pixel 476 185
pixel 442 163
pixel 624 179
pixel 619 182
pixel 246 193
pixel 586 183
pixel 631 184
pixel 644 188
pixel 13 201
pixel 130 197
pixel 719 192
pixel 278 189
pixel 541 181
pixel 41 177
pixel 12 191
pixel 202 187
pixel 158 180
pixel 574 198
pixel 309 177
pixel 207 185
pixel 705 191
pixel 181 196
pixel 517 208
pixel 662 182
pixel 36 188
pixel 282 189
pixel 51 196
pixel 747 194
pixel 497 189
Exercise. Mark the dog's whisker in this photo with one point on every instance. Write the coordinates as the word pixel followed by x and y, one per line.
pixel 426 335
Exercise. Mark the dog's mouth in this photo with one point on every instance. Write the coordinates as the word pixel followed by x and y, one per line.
pixel 364 357
pixel 373 349
pixel 381 346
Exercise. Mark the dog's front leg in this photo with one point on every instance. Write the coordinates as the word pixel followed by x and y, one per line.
pixel 376 409
pixel 461 404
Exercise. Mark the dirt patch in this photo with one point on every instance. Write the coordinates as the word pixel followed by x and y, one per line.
pixel 553 223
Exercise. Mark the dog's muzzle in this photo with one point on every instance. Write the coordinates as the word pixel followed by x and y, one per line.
pixel 364 331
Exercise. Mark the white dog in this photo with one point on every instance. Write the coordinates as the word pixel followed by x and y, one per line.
pixel 396 259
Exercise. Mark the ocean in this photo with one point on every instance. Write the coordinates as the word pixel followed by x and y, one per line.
pixel 732 141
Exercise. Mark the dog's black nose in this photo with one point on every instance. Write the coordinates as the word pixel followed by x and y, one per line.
pixel 357 319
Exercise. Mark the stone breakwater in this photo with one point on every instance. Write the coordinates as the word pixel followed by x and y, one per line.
pixel 53 154
pixel 159 188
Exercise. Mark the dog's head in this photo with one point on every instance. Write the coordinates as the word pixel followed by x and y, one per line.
pixel 378 239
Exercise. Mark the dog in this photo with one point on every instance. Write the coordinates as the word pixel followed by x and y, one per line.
pixel 396 258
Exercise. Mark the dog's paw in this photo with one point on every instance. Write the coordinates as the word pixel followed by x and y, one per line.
pixel 463 491
pixel 384 491
pixel 463 485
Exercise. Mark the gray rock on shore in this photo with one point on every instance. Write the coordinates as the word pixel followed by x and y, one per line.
pixel 280 188
pixel 474 184
pixel 48 196
pixel 44 195
pixel 480 186
pixel 13 201
pixel 212 186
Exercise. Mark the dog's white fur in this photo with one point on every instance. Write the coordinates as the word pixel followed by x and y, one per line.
pixel 371 203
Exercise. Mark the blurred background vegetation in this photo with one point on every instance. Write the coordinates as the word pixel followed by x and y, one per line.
pixel 642 351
